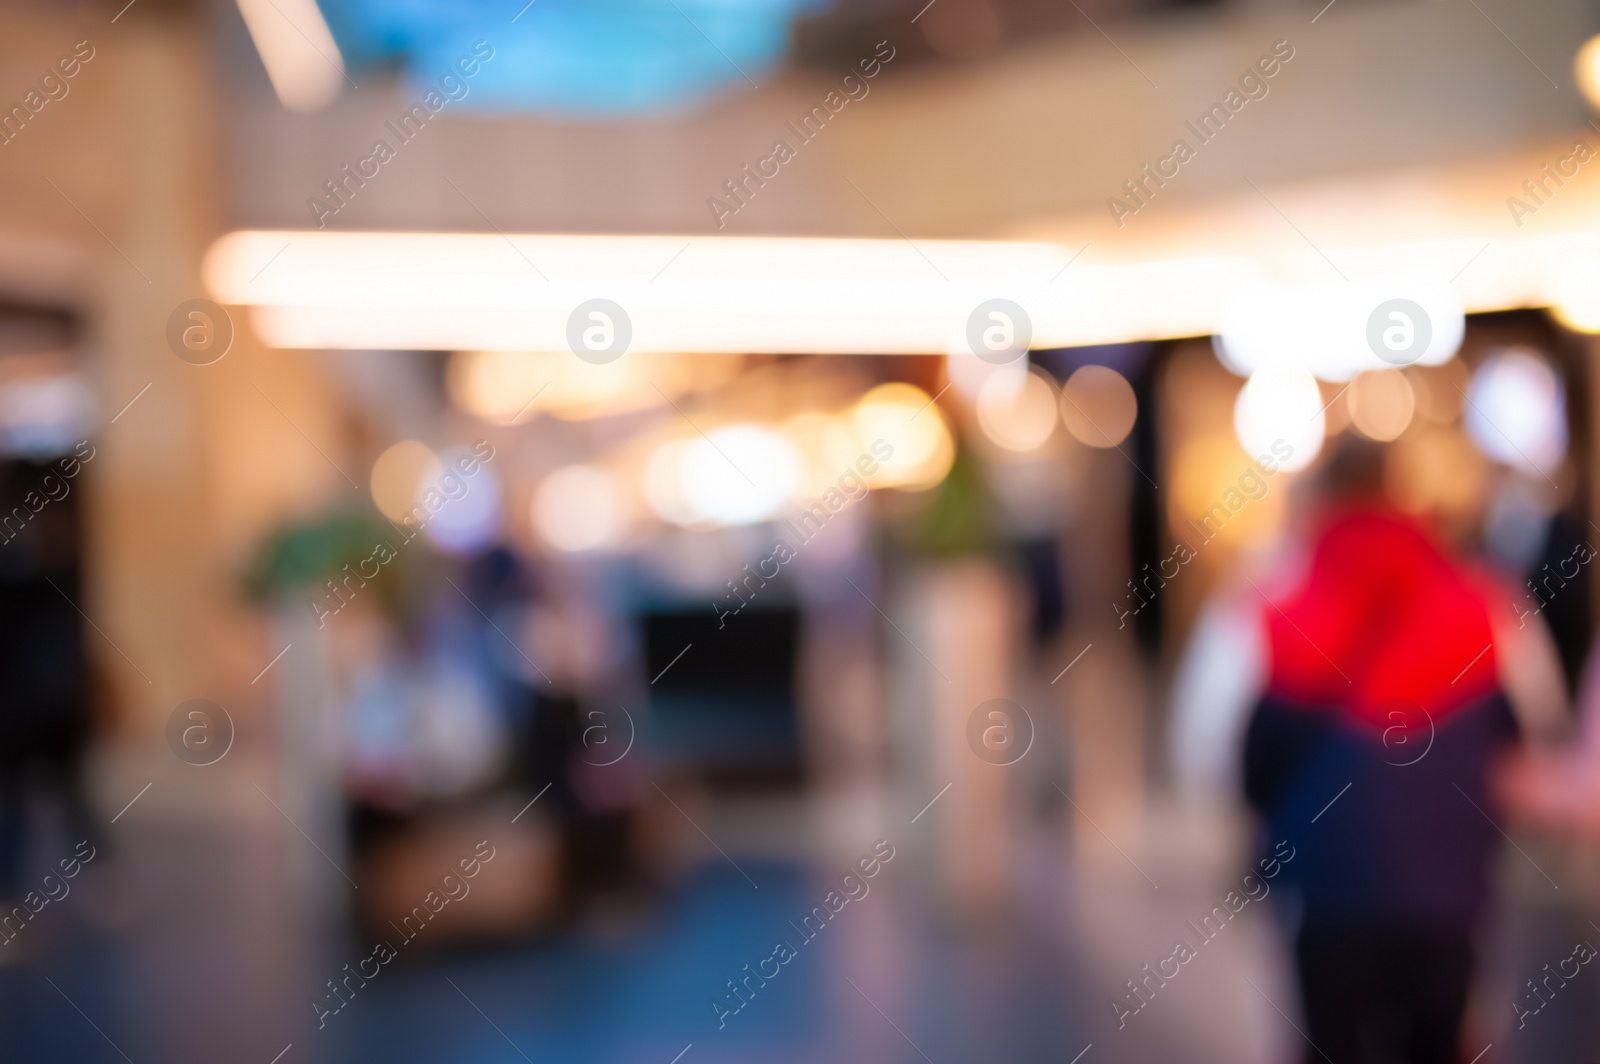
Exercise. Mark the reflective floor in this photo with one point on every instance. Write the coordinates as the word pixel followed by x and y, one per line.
pixel 889 977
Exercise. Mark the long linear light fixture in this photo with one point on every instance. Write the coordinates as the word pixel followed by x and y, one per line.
pixel 298 50
pixel 457 291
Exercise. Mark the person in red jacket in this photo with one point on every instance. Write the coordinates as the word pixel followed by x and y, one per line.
pixel 1385 679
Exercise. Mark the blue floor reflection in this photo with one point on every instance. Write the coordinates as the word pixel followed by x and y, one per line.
pixel 872 985
pixel 884 981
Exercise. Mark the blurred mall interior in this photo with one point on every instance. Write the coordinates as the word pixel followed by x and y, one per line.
pixel 687 531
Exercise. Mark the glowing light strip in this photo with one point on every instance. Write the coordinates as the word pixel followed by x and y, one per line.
pixel 454 291
pixel 298 50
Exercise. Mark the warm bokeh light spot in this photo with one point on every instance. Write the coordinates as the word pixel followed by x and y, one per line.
pixel 1098 406
pixel 1281 404
pixel 399 475
pixel 906 418
pixel 827 448
pixel 738 475
pixel 1017 412
pixel 1586 66
pixel 1381 404
pixel 1435 470
pixel 494 386
pixel 578 508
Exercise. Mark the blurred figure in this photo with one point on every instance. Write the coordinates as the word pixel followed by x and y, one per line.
pixel 1383 685
pixel 583 746
pixel 1557 790
pixel 45 723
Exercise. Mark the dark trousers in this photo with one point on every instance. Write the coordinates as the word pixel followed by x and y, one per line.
pixel 1380 995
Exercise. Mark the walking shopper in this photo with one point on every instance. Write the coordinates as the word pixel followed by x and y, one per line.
pixel 1382 678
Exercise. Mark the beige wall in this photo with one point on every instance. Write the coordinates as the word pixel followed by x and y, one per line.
pixel 187 480
pixel 958 150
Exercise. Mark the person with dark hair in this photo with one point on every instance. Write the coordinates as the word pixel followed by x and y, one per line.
pixel 1382 679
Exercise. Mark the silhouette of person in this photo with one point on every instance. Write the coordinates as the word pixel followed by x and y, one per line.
pixel 1375 680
